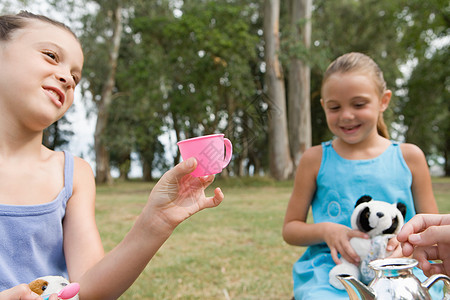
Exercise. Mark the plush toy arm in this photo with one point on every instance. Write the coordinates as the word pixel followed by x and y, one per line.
pixel 361 246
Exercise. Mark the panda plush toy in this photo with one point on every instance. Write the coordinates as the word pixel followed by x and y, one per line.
pixel 381 221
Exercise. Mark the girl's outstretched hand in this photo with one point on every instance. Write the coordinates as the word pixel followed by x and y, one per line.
pixel 22 292
pixel 338 237
pixel 178 195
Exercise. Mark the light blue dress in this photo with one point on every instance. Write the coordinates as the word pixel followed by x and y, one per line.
pixel 340 183
pixel 31 237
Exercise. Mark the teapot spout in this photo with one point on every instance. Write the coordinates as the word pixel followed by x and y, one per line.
pixel 356 290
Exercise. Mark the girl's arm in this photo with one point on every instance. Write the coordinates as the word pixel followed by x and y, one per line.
pixel 299 233
pixel 295 230
pixel 422 189
pixel 175 197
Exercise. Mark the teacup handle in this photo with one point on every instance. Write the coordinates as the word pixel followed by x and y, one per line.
pixel 228 152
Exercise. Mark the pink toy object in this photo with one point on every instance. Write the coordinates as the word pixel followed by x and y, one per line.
pixel 209 151
pixel 69 291
pixel 49 285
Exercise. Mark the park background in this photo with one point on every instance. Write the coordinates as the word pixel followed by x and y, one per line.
pixel 160 71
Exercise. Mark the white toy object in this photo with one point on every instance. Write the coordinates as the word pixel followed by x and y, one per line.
pixel 47 285
pixel 381 221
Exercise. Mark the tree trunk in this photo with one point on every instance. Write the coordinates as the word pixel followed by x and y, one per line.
pixel 229 132
pixel 103 174
pixel 147 170
pixel 244 141
pixel 281 166
pixel 446 155
pixel 124 166
pixel 300 135
pixel 176 128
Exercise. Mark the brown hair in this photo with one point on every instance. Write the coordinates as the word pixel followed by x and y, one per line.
pixel 10 23
pixel 359 62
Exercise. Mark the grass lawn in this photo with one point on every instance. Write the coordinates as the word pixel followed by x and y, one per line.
pixel 234 251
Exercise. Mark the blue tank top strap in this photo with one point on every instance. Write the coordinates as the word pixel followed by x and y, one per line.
pixel 326 153
pixel 326 144
pixel 68 174
pixel 399 154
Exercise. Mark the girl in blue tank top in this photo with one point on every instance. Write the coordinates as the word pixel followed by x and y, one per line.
pixel 361 160
pixel 47 198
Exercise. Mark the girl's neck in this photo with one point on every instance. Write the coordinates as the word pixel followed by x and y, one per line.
pixel 20 144
pixel 367 149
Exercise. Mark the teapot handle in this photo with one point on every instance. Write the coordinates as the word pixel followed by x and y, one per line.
pixel 435 278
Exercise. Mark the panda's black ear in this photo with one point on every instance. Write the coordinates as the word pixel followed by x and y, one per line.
pixel 365 198
pixel 402 208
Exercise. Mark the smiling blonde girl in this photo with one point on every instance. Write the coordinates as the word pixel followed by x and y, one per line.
pixel 360 160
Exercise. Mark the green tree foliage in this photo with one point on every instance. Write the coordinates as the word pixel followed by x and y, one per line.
pixel 58 134
pixel 196 67
pixel 136 115
pixel 201 63
pixel 426 107
pixel 424 23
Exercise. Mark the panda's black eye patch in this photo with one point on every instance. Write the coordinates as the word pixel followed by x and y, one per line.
pixel 363 220
pixel 393 227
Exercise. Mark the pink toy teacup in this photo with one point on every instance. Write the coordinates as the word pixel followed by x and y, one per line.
pixel 209 151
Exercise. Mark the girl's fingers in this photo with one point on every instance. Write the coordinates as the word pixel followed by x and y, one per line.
pixel 353 257
pixel 334 256
pixel 206 180
pixel 218 196
pixel 358 234
pixel 392 244
pixel 181 170
pixel 214 200
pixel 407 249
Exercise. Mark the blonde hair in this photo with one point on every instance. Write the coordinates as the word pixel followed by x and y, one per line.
pixel 358 62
